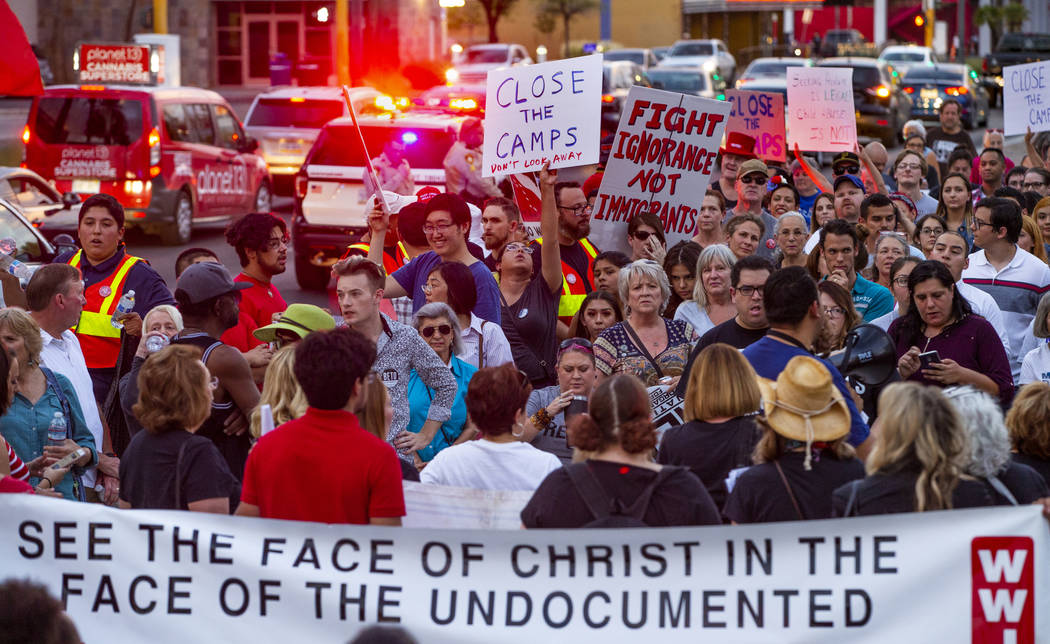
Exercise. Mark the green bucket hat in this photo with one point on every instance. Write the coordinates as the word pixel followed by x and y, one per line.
pixel 300 319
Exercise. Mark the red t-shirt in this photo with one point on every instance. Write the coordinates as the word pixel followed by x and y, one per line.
pixel 258 304
pixel 323 467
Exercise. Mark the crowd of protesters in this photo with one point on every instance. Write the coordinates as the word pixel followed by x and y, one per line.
pixel 529 364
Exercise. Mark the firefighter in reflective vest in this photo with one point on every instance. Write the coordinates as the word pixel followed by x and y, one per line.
pixel 109 272
pixel 574 285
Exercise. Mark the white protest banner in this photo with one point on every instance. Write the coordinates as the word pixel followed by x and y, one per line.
pixel 759 115
pixel 442 506
pixel 661 162
pixel 821 114
pixel 1026 97
pixel 539 113
pixel 161 576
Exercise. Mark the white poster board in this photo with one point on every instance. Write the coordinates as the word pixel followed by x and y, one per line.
pixel 539 113
pixel 661 161
pixel 1026 97
pixel 821 114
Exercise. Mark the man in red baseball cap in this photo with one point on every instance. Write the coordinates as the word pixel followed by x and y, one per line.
pixel 739 147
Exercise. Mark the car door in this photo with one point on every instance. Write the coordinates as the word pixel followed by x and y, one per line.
pixel 235 189
pixel 206 162
pixel 33 197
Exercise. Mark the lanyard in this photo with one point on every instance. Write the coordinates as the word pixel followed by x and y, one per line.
pixel 780 335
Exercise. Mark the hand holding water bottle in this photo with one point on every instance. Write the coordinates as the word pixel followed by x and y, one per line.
pixel 8 250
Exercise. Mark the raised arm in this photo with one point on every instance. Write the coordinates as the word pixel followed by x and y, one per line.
pixel 876 176
pixel 817 178
pixel 378 223
pixel 551 250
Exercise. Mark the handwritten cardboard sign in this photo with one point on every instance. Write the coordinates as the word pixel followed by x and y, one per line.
pixel 1026 97
pixel 759 115
pixel 821 115
pixel 539 113
pixel 661 162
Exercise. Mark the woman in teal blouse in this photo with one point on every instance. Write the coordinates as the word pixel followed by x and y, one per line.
pixel 439 327
pixel 40 394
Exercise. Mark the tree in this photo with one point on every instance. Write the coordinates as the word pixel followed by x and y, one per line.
pixel 549 10
pixel 494 10
pixel 998 17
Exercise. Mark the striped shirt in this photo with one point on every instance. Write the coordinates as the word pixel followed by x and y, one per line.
pixel 19 470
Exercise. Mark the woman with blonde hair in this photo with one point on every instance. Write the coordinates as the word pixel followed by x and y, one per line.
pixel 720 432
pixel 1031 239
pixel 281 391
pixel 168 466
pixel 839 317
pixel 375 414
pixel 918 462
pixel 1028 422
pixel 711 304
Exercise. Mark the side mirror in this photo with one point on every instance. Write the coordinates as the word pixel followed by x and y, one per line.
pixel 70 199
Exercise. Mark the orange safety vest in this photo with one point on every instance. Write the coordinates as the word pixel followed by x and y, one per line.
pixel 390 264
pixel 574 285
pixel 99 339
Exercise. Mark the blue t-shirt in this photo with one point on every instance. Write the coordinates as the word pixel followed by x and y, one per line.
pixel 419 398
pixel 769 357
pixel 413 275
pixel 805 205
pixel 871 300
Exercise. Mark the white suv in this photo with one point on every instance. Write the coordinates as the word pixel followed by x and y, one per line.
pixel 711 54
pixel 473 66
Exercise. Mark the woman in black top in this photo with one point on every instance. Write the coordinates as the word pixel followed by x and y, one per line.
pixel 720 432
pixel 921 451
pixel 1029 425
pixel 802 455
pixel 618 429
pixel 169 466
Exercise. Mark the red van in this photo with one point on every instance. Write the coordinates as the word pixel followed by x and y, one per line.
pixel 171 156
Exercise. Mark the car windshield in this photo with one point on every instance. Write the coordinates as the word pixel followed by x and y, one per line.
pixel 88 120
pixel 693 49
pixel 934 75
pixel 11 227
pixel 633 56
pixel 289 112
pixel 1024 42
pixel 425 148
pixel 862 76
pixel 677 81
pixel 486 55
pixel 772 68
pixel 905 56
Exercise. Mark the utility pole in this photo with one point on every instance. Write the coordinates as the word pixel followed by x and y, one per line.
pixel 342 41
pixel 930 17
pixel 160 16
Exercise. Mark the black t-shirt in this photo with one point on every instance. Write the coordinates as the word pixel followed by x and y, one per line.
pixel 943 144
pixel 894 493
pixel 1037 464
pixel 530 327
pixel 573 255
pixel 730 203
pixel 148 471
pixel 1024 482
pixel 729 332
pixel 680 500
pixel 759 495
pixel 710 450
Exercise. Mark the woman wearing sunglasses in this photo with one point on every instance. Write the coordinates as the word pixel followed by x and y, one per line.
pixel 645 236
pixel 439 328
pixel 547 407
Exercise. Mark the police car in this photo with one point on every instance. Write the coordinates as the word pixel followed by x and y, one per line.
pixel 286 123
pixel 172 156
pixel 330 196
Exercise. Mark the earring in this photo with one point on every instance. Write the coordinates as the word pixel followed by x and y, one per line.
pixel 518 434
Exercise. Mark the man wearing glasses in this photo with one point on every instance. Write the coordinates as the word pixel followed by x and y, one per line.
pixel 1015 279
pixel 261 242
pixel 577 252
pixel 1037 180
pixel 751 186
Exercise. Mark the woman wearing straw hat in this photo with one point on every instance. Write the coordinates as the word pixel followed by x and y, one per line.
pixel 802 455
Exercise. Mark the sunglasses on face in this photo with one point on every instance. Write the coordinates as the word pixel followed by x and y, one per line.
pixel 642 235
pixel 428 331
pixel 845 169
pixel 753 179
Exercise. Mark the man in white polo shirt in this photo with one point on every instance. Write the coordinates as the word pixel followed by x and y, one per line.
pixel 1013 277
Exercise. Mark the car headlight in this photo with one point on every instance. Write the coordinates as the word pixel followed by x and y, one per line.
pixel 451 75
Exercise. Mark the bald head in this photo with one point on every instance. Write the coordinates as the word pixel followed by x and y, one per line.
pixel 877 153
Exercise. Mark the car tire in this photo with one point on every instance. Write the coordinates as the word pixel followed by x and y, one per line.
pixel 310 277
pixel 263 198
pixel 180 229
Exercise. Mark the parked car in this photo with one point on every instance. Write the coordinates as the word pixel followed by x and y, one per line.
pixel 1013 49
pixel 468 100
pixel 617 79
pixel 770 68
pixel 644 58
pixel 833 38
pixel 330 198
pixel 49 211
pixel 660 53
pixel 30 245
pixel 700 53
pixel 904 57
pixel 171 156
pixel 931 85
pixel 689 80
pixel 286 123
pixel 475 63
pixel 881 106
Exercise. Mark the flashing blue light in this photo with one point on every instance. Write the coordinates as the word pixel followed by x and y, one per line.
pixel 408 138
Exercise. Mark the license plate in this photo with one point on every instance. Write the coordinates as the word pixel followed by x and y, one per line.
pixel 289 147
pixel 85 185
pixel 928 94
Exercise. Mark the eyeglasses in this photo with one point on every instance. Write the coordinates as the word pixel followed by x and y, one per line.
pixel 748 291
pixel 977 223
pixel 642 235
pixel 1034 185
pixel 834 311
pixel 901 280
pixel 275 243
pixel 515 247
pixel 845 169
pixel 443 329
pixel 931 231
pixel 576 210
pixel 753 179
pixel 909 166
pixel 430 229
pixel 575 343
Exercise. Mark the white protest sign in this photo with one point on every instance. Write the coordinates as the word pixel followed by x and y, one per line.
pixel 539 113
pixel 821 114
pixel 1026 97
pixel 129 576
pixel 759 115
pixel 661 162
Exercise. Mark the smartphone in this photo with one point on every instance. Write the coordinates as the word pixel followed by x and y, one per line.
pixel 928 358
pixel 69 458
pixel 578 405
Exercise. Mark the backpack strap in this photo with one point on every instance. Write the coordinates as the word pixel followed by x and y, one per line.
pixel 481 346
pixel 640 506
pixel 852 506
pixel 1001 488
pixel 791 493
pixel 178 474
pixel 587 484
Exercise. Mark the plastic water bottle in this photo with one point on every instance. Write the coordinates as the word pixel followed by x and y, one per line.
pixel 126 303
pixel 8 249
pixel 155 342
pixel 56 431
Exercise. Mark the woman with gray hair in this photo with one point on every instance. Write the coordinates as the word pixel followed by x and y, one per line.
pixel 1036 364
pixel 1009 482
pixel 645 344
pixel 438 325
pixel 791 233
pixel 711 304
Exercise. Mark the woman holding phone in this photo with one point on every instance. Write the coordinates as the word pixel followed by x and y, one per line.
pixel 550 409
